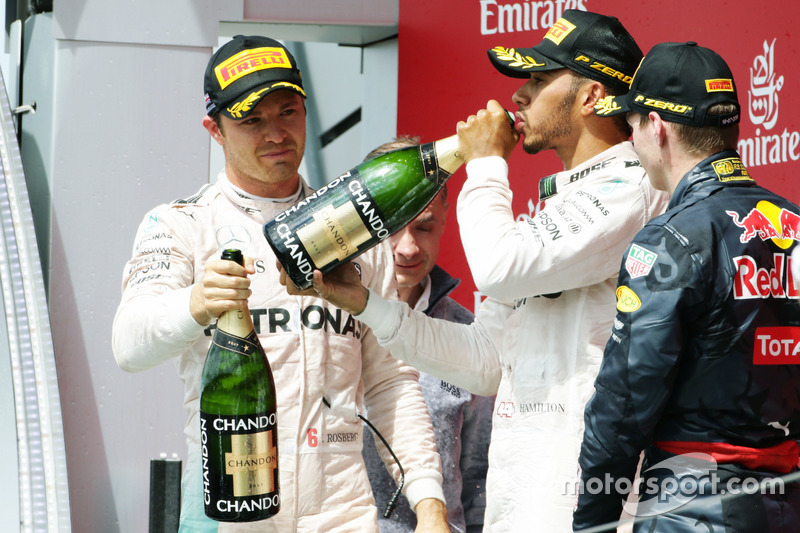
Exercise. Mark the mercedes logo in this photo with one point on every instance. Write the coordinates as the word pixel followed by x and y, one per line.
pixel 233 237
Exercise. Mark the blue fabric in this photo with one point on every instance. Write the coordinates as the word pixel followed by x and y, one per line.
pixel 682 363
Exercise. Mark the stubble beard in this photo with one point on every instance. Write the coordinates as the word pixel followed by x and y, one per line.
pixel 555 126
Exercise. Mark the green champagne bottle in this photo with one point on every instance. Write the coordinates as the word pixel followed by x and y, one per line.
pixel 360 208
pixel 238 422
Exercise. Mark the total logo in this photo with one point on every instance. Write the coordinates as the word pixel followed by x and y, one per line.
pixel 763 109
pixel 777 346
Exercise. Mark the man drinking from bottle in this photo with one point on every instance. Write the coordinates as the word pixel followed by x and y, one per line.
pixel 538 339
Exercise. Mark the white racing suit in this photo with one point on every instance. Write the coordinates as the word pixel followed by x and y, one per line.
pixel 315 350
pixel 538 339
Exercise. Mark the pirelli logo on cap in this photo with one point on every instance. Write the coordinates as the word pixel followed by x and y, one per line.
pixel 559 31
pixel 655 103
pixel 249 61
pixel 719 85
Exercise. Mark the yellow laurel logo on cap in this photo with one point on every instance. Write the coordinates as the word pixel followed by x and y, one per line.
pixel 251 99
pixel 606 105
pixel 288 85
pixel 627 301
pixel 245 105
pixel 559 31
pixel 514 58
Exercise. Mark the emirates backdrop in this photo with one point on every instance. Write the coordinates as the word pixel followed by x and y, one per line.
pixel 445 76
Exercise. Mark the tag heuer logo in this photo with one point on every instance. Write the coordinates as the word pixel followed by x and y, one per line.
pixel 639 261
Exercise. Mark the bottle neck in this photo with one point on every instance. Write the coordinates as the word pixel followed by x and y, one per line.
pixel 237 322
pixel 447 153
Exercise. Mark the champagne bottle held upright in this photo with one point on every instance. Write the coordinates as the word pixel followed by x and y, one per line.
pixel 238 422
pixel 360 208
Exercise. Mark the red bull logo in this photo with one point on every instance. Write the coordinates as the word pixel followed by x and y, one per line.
pixel 769 222
pixel 753 281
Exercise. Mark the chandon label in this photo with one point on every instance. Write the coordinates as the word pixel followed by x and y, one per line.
pixel 240 466
pixel 232 343
pixel 339 223
pixel 430 165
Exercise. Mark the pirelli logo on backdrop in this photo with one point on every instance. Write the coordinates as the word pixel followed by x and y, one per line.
pixel 559 31
pixel 249 61
pixel 719 86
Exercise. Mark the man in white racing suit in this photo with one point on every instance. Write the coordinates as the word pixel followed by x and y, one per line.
pixel 537 340
pixel 327 366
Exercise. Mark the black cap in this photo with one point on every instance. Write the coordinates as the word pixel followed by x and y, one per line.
pixel 244 70
pixel 596 46
pixel 679 81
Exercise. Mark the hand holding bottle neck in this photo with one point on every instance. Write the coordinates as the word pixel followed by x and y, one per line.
pixel 342 287
pixel 487 133
pixel 205 303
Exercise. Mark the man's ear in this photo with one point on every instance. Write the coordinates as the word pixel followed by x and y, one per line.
pixel 213 129
pixel 589 94
pixel 659 127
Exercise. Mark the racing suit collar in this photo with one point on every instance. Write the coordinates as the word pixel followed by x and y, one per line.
pixel 704 173
pixel 554 184
pixel 442 284
pixel 263 209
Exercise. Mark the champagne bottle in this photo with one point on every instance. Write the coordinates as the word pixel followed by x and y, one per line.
pixel 360 208
pixel 238 422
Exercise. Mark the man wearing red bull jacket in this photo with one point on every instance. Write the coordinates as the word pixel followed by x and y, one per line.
pixel 796 267
pixel 702 370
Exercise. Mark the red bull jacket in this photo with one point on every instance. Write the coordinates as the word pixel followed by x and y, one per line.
pixel 704 354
